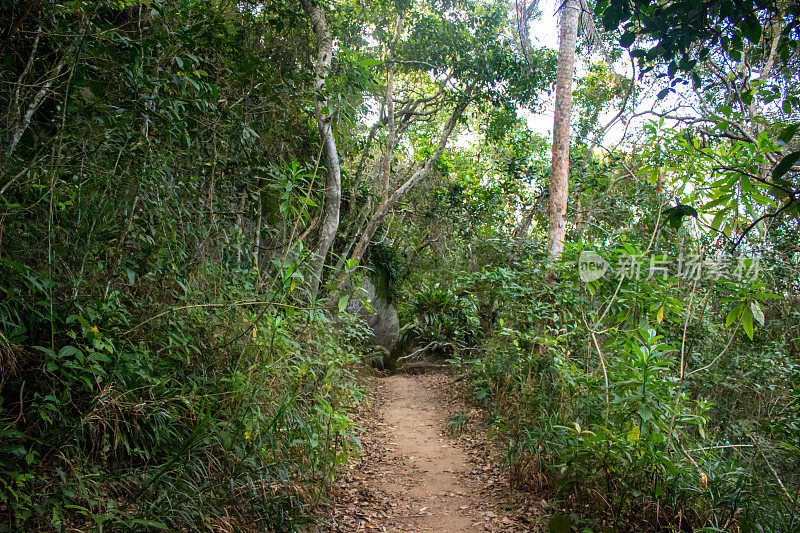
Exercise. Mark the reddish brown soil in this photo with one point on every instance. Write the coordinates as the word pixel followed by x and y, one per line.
pixel 413 476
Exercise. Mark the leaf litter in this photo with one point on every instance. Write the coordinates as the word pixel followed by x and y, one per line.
pixel 414 476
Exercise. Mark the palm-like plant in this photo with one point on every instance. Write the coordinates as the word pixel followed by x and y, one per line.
pixel 440 323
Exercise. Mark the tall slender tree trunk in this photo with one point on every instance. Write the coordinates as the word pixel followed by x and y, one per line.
pixel 257 244
pixel 559 178
pixel 333 185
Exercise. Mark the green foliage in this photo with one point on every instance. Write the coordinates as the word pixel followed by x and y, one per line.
pixel 596 402
pixel 215 413
pixel 163 367
pixel 473 46
pixel 456 422
pixel 159 370
pixel 439 322
pixel 681 33
pixel 385 268
pixel 725 178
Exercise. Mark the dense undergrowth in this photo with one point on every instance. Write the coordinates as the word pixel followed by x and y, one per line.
pixel 161 365
pixel 612 398
pixel 215 415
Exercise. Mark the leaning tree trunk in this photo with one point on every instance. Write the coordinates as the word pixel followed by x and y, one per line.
pixel 559 178
pixel 333 186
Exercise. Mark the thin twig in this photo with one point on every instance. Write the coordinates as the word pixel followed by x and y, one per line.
pixel 774 473
pixel 230 305
pixel 730 339
pixel 683 362
pixel 605 374
pixel 706 448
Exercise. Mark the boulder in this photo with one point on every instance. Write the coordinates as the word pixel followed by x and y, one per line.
pixel 382 320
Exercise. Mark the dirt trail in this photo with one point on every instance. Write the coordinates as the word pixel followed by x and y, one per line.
pixel 412 476
pixel 445 499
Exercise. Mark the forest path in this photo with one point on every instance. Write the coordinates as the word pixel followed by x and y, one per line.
pixel 412 476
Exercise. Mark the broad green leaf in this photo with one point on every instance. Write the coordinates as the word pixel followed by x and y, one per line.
pixel 68 351
pixel 785 165
pixel 780 188
pixel 760 198
pixel 633 434
pixel 627 39
pixel 717 222
pixel 343 303
pixel 786 134
pixel 752 31
pixel 744 183
pixel 763 141
pixel 747 322
pixel 733 315
pixel 719 201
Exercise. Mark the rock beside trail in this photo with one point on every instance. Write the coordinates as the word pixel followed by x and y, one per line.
pixel 382 320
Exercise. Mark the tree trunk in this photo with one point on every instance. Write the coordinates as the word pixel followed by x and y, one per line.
pixel 333 186
pixel 559 178
pixel 24 120
pixel 257 247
